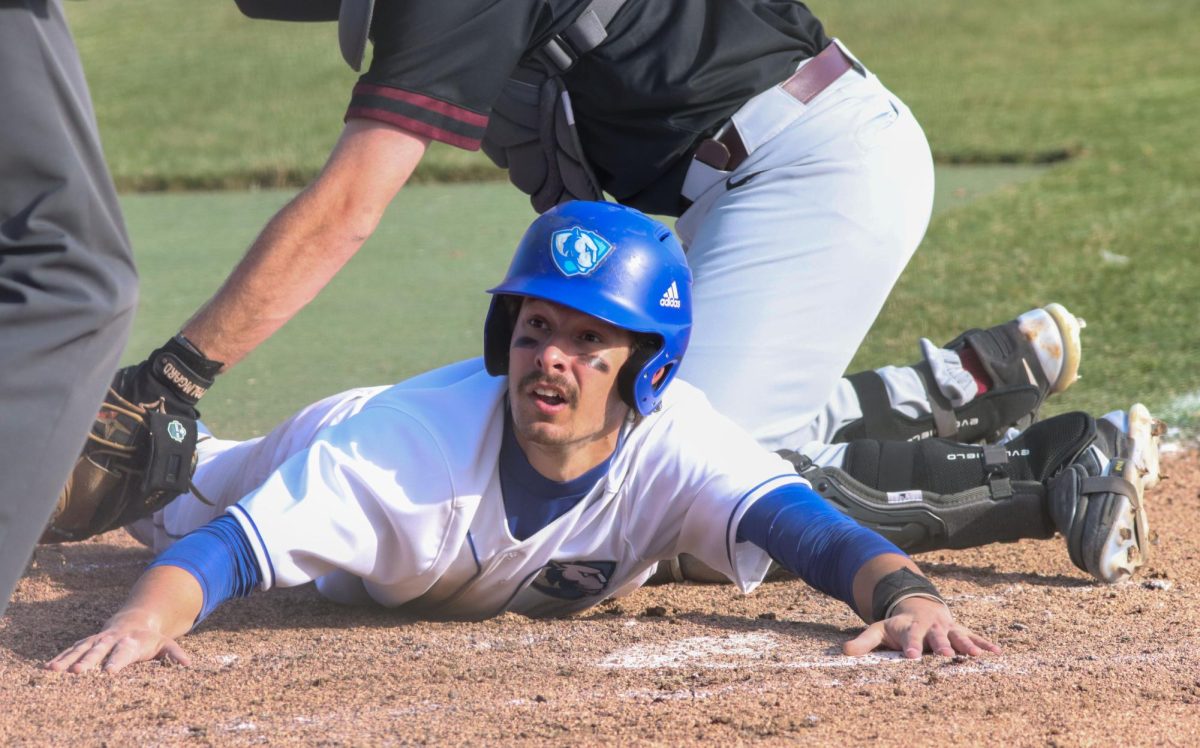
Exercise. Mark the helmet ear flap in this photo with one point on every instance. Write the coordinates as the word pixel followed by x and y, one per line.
pixel 498 332
pixel 645 348
pixel 628 375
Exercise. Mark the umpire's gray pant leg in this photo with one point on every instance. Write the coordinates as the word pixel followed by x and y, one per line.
pixel 68 287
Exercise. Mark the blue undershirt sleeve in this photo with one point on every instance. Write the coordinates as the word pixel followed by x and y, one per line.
pixel 810 538
pixel 219 556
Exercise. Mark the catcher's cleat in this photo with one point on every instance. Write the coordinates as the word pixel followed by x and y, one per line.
pixel 1146 432
pixel 1098 502
pixel 1024 361
pixel 136 459
pixel 1067 353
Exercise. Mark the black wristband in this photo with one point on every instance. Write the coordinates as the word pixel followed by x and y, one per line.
pixel 897 585
pixel 183 370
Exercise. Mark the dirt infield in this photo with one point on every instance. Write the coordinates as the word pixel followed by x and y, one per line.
pixel 1083 664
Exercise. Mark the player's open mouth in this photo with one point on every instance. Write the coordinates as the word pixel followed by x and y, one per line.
pixel 549 396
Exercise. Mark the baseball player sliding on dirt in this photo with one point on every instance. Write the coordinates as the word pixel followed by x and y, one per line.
pixel 570 461
pixel 801 184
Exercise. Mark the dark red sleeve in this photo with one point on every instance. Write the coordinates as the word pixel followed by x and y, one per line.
pixel 418 113
pixel 438 65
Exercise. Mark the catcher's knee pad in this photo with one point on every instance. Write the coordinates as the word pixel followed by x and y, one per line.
pixel 936 494
pixel 918 521
pixel 1019 385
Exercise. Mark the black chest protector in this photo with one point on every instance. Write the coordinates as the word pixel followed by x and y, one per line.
pixel 531 131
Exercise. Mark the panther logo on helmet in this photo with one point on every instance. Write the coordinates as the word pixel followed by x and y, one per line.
pixel 578 251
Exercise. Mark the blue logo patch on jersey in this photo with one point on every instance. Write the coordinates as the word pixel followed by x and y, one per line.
pixel 573 580
pixel 578 251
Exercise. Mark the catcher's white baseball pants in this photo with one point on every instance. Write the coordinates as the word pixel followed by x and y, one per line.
pixel 795 251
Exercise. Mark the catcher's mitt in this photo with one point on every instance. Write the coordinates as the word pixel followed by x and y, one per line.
pixel 141 451
pixel 136 459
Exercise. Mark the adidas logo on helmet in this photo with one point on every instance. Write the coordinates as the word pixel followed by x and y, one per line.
pixel 671 297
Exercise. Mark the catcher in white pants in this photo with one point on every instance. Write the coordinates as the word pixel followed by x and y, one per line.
pixel 555 474
pixel 795 251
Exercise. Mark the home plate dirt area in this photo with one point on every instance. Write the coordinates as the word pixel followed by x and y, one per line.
pixel 1083 664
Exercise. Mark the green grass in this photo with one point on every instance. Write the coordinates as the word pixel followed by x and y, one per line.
pixel 192 94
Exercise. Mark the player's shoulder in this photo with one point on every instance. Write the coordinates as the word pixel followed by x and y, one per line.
pixel 450 416
pixel 446 399
pixel 685 418
pixel 682 400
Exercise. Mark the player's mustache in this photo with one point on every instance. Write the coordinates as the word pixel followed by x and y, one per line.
pixel 557 381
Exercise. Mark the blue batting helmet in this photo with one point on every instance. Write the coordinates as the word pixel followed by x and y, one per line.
pixel 613 263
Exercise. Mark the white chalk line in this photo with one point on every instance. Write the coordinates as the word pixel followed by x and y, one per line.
pixel 769 651
pixel 757 649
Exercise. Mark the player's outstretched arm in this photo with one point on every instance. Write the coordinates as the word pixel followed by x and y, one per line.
pixel 917 624
pixel 161 607
pixel 833 553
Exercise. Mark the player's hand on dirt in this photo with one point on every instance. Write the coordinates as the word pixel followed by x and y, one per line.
pixel 126 639
pixel 918 625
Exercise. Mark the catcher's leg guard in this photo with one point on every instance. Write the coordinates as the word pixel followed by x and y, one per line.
pixel 1066 473
pixel 1082 477
pixel 1026 359
pixel 936 494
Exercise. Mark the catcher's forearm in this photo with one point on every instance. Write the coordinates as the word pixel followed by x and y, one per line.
pixel 308 241
pixel 285 268
pixel 166 599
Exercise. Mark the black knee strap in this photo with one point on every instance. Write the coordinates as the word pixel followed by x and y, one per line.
pixel 881 422
pixel 984 418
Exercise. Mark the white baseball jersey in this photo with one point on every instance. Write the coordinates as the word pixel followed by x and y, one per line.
pixel 393 495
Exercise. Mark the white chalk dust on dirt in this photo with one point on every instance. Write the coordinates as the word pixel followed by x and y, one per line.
pixel 1083 664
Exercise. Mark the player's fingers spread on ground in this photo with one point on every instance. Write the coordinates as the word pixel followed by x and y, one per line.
pixel 172 652
pixel 68 656
pixel 867 641
pixel 982 642
pixel 91 654
pixel 140 647
pixel 939 641
pixel 963 642
pixel 126 651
